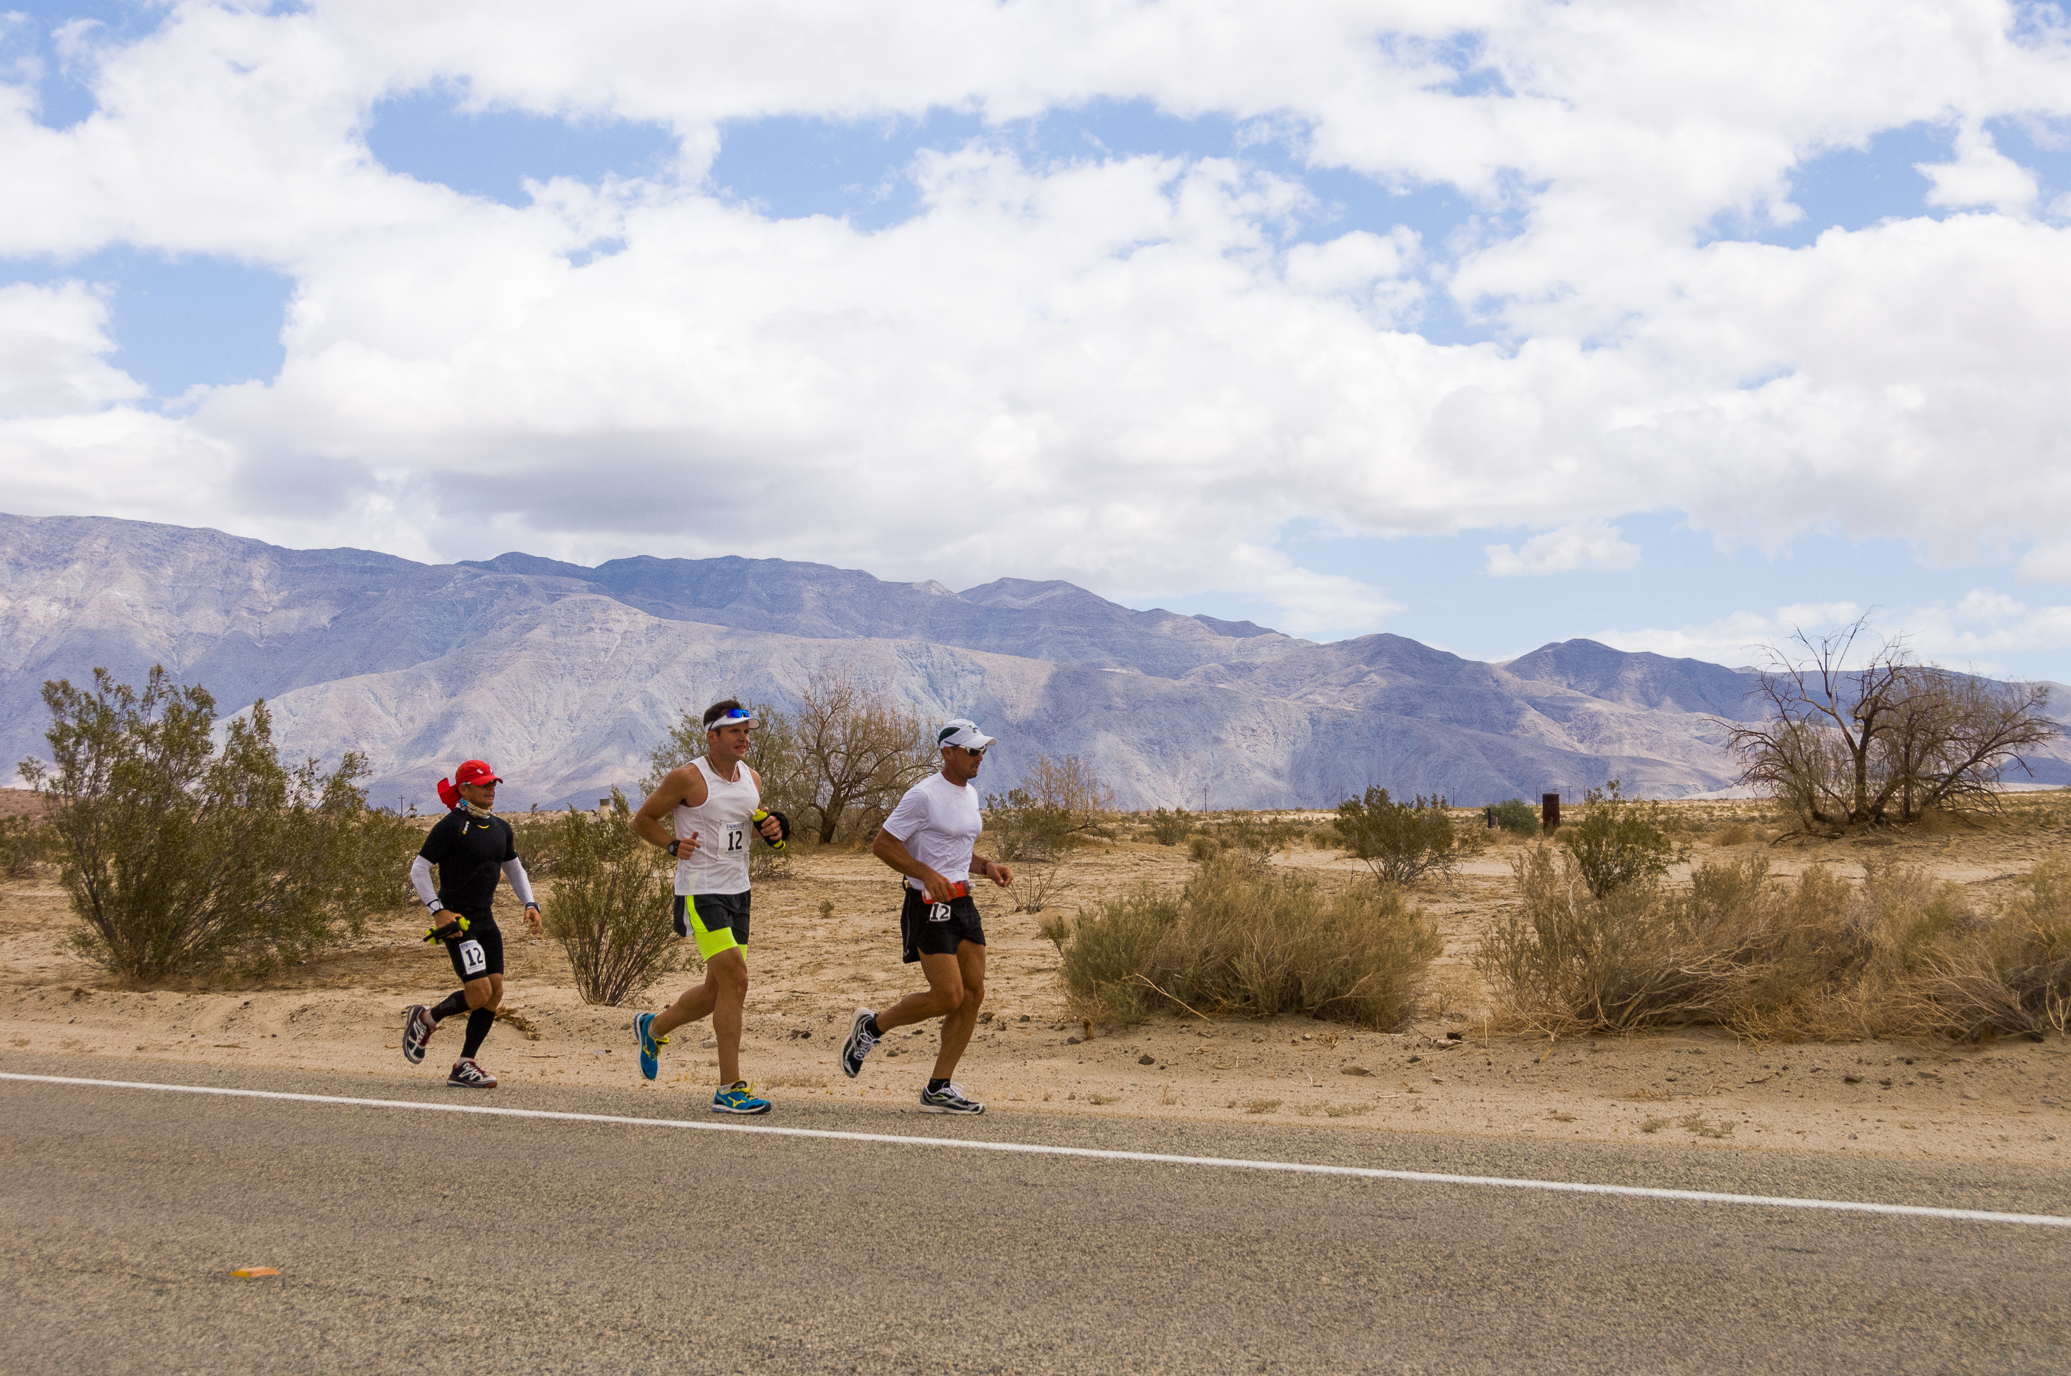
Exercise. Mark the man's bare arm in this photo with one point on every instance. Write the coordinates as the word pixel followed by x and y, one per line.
pixel 893 852
pixel 679 787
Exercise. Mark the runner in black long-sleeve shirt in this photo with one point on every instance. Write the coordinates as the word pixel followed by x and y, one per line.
pixel 471 846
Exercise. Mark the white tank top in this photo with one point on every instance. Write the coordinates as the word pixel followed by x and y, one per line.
pixel 720 863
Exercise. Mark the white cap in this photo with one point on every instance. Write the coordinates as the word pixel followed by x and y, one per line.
pixel 963 734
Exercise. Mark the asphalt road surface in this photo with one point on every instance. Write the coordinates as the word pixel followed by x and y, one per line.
pixel 455 1243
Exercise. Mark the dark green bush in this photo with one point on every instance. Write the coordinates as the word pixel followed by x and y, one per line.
pixel 180 856
pixel 1169 828
pixel 1400 842
pixel 1618 842
pixel 1516 816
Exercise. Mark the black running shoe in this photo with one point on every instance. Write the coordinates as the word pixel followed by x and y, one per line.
pixel 417 1030
pixel 467 1075
pixel 948 1099
pixel 858 1045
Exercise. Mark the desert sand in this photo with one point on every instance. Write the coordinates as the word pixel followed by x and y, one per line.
pixel 1446 1073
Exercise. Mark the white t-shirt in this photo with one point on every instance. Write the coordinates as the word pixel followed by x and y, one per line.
pixel 938 823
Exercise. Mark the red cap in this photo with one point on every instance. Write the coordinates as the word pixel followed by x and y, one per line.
pixel 475 772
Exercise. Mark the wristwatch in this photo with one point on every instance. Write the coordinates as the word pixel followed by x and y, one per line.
pixel 672 848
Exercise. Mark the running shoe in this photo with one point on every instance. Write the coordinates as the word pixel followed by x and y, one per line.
pixel 467 1075
pixel 948 1099
pixel 738 1098
pixel 417 1030
pixel 858 1045
pixel 650 1046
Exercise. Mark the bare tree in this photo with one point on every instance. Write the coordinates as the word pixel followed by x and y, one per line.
pixel 852 753
pixel 1858 735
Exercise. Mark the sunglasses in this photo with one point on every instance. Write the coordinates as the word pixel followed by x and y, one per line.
pixel 977 754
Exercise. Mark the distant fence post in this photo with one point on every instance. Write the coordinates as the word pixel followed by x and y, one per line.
pixel 1549 812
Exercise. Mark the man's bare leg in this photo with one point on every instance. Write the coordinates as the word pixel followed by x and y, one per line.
pixel 945 994
pixel 958 1026
pixel 723 997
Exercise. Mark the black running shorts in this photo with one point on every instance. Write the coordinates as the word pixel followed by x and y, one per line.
pixel 477 953
pixel 937 929
pixel 718 920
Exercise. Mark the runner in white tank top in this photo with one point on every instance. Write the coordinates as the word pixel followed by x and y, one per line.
pixel 721 824
pixel 715 803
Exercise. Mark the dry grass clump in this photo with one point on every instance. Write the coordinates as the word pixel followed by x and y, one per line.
pixel 1734 949
pixel 1240 939
pixel 1900 954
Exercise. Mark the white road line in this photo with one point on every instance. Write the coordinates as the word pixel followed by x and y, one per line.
pixel 1847 1206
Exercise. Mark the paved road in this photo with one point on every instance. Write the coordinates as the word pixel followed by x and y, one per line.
pixel 558 1246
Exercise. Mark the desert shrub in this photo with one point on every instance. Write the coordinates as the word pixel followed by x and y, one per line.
pixel 182 855
pixel 1736 949
pixel 1400 842
pixel 1020 826
pixel 1618 841
pixel 1169 828
pixel 610 905
pixel 1239 941
pixel 1515 816
pixel 537 836
pixel 1734 834
pixel 1968 976
pixel 24 841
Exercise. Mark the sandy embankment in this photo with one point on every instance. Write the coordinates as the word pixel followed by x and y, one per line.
pixel 1702 1089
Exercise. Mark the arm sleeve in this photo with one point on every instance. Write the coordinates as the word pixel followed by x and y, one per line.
pixel 514 870
pixel 420 880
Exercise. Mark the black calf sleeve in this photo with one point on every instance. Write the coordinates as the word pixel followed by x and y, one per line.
pixel 455 1002
pixel 478 1024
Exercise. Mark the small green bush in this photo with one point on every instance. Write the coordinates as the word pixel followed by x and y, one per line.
pixel 611 903
pixel 1400 842
pixel 1238 940
pixel 1169 828
pixel 24 841
pixel 1618 842
pixel 1515 816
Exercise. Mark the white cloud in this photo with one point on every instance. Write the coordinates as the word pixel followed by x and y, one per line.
pixel 1130 372
pixel 1980 175
pixel 1595 546
pixel 53 347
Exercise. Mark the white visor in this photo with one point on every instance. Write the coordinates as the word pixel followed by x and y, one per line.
pixel 963 734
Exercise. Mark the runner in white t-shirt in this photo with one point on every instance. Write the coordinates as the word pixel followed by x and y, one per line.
pixel 928 839
pixel 713 804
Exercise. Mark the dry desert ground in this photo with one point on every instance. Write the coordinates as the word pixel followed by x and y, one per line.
pixel 1449 1072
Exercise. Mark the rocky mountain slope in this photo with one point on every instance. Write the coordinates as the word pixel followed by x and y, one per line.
pixel 566 676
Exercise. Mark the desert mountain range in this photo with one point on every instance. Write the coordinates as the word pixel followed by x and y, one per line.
pixel 565 677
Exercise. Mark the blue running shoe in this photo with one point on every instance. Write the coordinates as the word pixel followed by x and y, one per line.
pixel 650 1046
pixel 738 1098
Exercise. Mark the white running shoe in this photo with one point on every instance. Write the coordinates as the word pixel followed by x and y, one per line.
pixel 948 1099
pixel 858 1045
pixel 417 1030
pixel 467 1075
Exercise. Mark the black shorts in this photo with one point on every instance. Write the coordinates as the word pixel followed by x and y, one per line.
pixel 718 920
pixel 477 953
pixel 937 929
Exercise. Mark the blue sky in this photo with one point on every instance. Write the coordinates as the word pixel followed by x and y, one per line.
pixel 1468 332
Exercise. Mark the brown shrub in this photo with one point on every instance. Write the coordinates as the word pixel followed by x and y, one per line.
pixel 1240 939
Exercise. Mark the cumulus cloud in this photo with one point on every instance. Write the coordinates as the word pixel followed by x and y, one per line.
pixel 1595 546
pixel 1134 370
